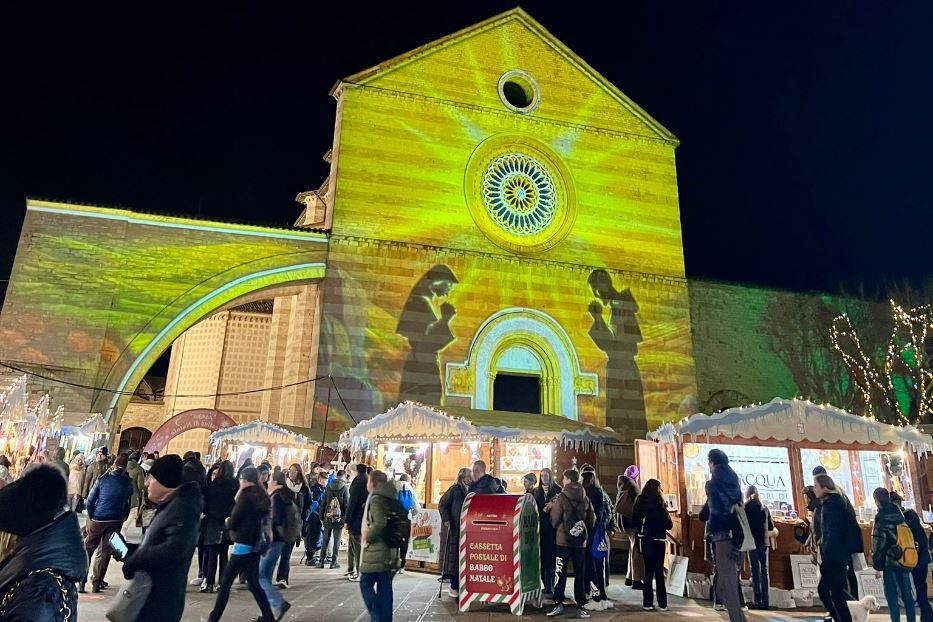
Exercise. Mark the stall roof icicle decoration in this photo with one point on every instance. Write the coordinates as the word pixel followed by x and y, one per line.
pixel 413 421
pixel 795 420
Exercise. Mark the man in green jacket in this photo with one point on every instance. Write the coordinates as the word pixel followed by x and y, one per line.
pixel 138 476
pixel 378 562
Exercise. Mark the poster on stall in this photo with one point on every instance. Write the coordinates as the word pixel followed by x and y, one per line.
pixel 805 572
pixel 425 544
pixel 869 584
pixel 766 468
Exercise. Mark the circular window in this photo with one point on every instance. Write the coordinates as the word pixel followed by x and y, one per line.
pixel 519 193
pixel 519 91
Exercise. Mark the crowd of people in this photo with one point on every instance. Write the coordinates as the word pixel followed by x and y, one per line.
pixel 243 524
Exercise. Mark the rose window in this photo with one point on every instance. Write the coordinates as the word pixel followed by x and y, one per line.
pixel 519 194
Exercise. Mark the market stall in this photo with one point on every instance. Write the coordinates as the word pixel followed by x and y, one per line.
pixel 776 446
pixel 277 443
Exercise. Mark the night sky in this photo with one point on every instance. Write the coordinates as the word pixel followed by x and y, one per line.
pixel 805 160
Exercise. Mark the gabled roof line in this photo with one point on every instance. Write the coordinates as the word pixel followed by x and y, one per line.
pixel 519 14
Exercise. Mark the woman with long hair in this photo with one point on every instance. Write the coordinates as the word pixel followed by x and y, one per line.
pixel 652 520
pixel 761 526
pixel 218 503
pixel 296 481
pixel 544 494
pixel 450 507
pixel 625 506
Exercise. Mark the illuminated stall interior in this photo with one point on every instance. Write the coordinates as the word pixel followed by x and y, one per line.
pixel 431 445
pixel 281 445
pixel 775 447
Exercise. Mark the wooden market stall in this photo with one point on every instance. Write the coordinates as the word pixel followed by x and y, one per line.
pixel 776 446
pixel 431 444
pixel 280 444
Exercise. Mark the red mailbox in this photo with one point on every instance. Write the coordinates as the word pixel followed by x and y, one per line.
pixel 499 551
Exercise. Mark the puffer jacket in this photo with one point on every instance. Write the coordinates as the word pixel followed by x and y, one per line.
pixel 376 556
pixel 570 506
pixel 37 596
pixel 840 534
pixel 76 479
pixel 487 485
pixel 884 552
pixel 339 490
pixel 110 498
pixel 722 493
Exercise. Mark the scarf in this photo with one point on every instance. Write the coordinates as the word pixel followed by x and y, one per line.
pixel 295 487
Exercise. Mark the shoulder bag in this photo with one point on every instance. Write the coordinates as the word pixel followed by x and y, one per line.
pixel 129 601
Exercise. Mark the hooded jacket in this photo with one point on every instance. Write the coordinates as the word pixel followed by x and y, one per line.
pixel 884 551
pixel 487 485
pixel 251 507
pixel 38 596
pixel 110 498
pixel 358 496
pixel 376 555
pixel 722 493
pixel 165 554
pixel 138 477
pixel 194 471
pixel 76 478
pixel 570 506
pixel 281 499
pixel 92 473
pixel 337 489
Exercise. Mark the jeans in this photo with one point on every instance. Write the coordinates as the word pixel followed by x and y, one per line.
pixel 832 590
pixel 898 583
pixel 376 588
pixel 331 534
pixel 98 535
pixel 726 561
pixel 266 567
pixel 920 587
pixel 312 536
pixel 284 560
pixel 595 575
pixel 216 560
pixel 455 582
pixel 654 553
pixel 249 564
pixel 353 557
pixel 759 563
pixel 566 555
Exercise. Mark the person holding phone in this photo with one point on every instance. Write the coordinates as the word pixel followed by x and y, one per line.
pixel 166 551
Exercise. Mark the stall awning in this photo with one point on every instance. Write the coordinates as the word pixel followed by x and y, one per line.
pixel 263 432
pixel 795 421
pixel 416 422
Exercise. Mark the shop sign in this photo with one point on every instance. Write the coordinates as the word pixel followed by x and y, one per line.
pixel 806 574
pixel 530 547
pixel 489 545
pixel 425 542
pixel 869 584
pixel 198 418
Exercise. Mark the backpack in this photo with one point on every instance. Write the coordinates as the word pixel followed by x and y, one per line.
pixel 290 530
pixel 577 534
pixel 334 513
pixel 909 555
pixel 407 498
pixel 316 502
pixel 398 531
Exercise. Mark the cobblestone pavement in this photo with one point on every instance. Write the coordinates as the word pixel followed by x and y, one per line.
pixel 324 595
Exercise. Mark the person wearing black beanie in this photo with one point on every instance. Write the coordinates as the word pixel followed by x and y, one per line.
pixel 165 553
pixel 41 552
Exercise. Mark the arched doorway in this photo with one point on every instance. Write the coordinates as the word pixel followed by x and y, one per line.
pixel 133 439
pixel 525 344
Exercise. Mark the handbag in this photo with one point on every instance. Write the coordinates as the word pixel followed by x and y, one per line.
pixel 748 541
pixel 129 601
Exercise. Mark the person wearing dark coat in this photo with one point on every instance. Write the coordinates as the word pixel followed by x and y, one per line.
pixel 544 495
pixel 246 521
pixel 338 496
pixel 651 521
pixel 314 525
pixel 838 529
pixel 165 552
pixel 571 507
pixel 761 525
pixel 194 471
pixel 885 555
pixel 483 483
pixel 107 507
pixel 596 568
pixel 358 496
pixel 450 507
pixel 95 471
pixel 919 572
pixel 218 503
pixel 298 484
pixel 41 552
pixel 722 494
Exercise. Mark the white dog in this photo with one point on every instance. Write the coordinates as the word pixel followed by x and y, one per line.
pixel 861 608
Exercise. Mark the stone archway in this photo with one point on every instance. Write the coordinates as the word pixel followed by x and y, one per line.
pixel 523 340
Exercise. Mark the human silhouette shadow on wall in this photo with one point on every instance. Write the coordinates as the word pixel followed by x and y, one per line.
pixel 428 332
pixel 619 339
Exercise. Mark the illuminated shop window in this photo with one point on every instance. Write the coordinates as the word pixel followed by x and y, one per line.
pixel 858 473
pixel 519 91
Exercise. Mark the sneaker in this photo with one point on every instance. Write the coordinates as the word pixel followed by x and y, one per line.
pixel 206 589
pixel 283 584
pixel 637 585
pixel 556 611
pixel 283 610
pixel 719 607
pixel 196 581
pixel 582 613
pixel 334 566
pixel 354 577
pixel 662 609
pixel 453 593
pixel 593 605
pixel 96 588
pixel 648 608
pixel 607 604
